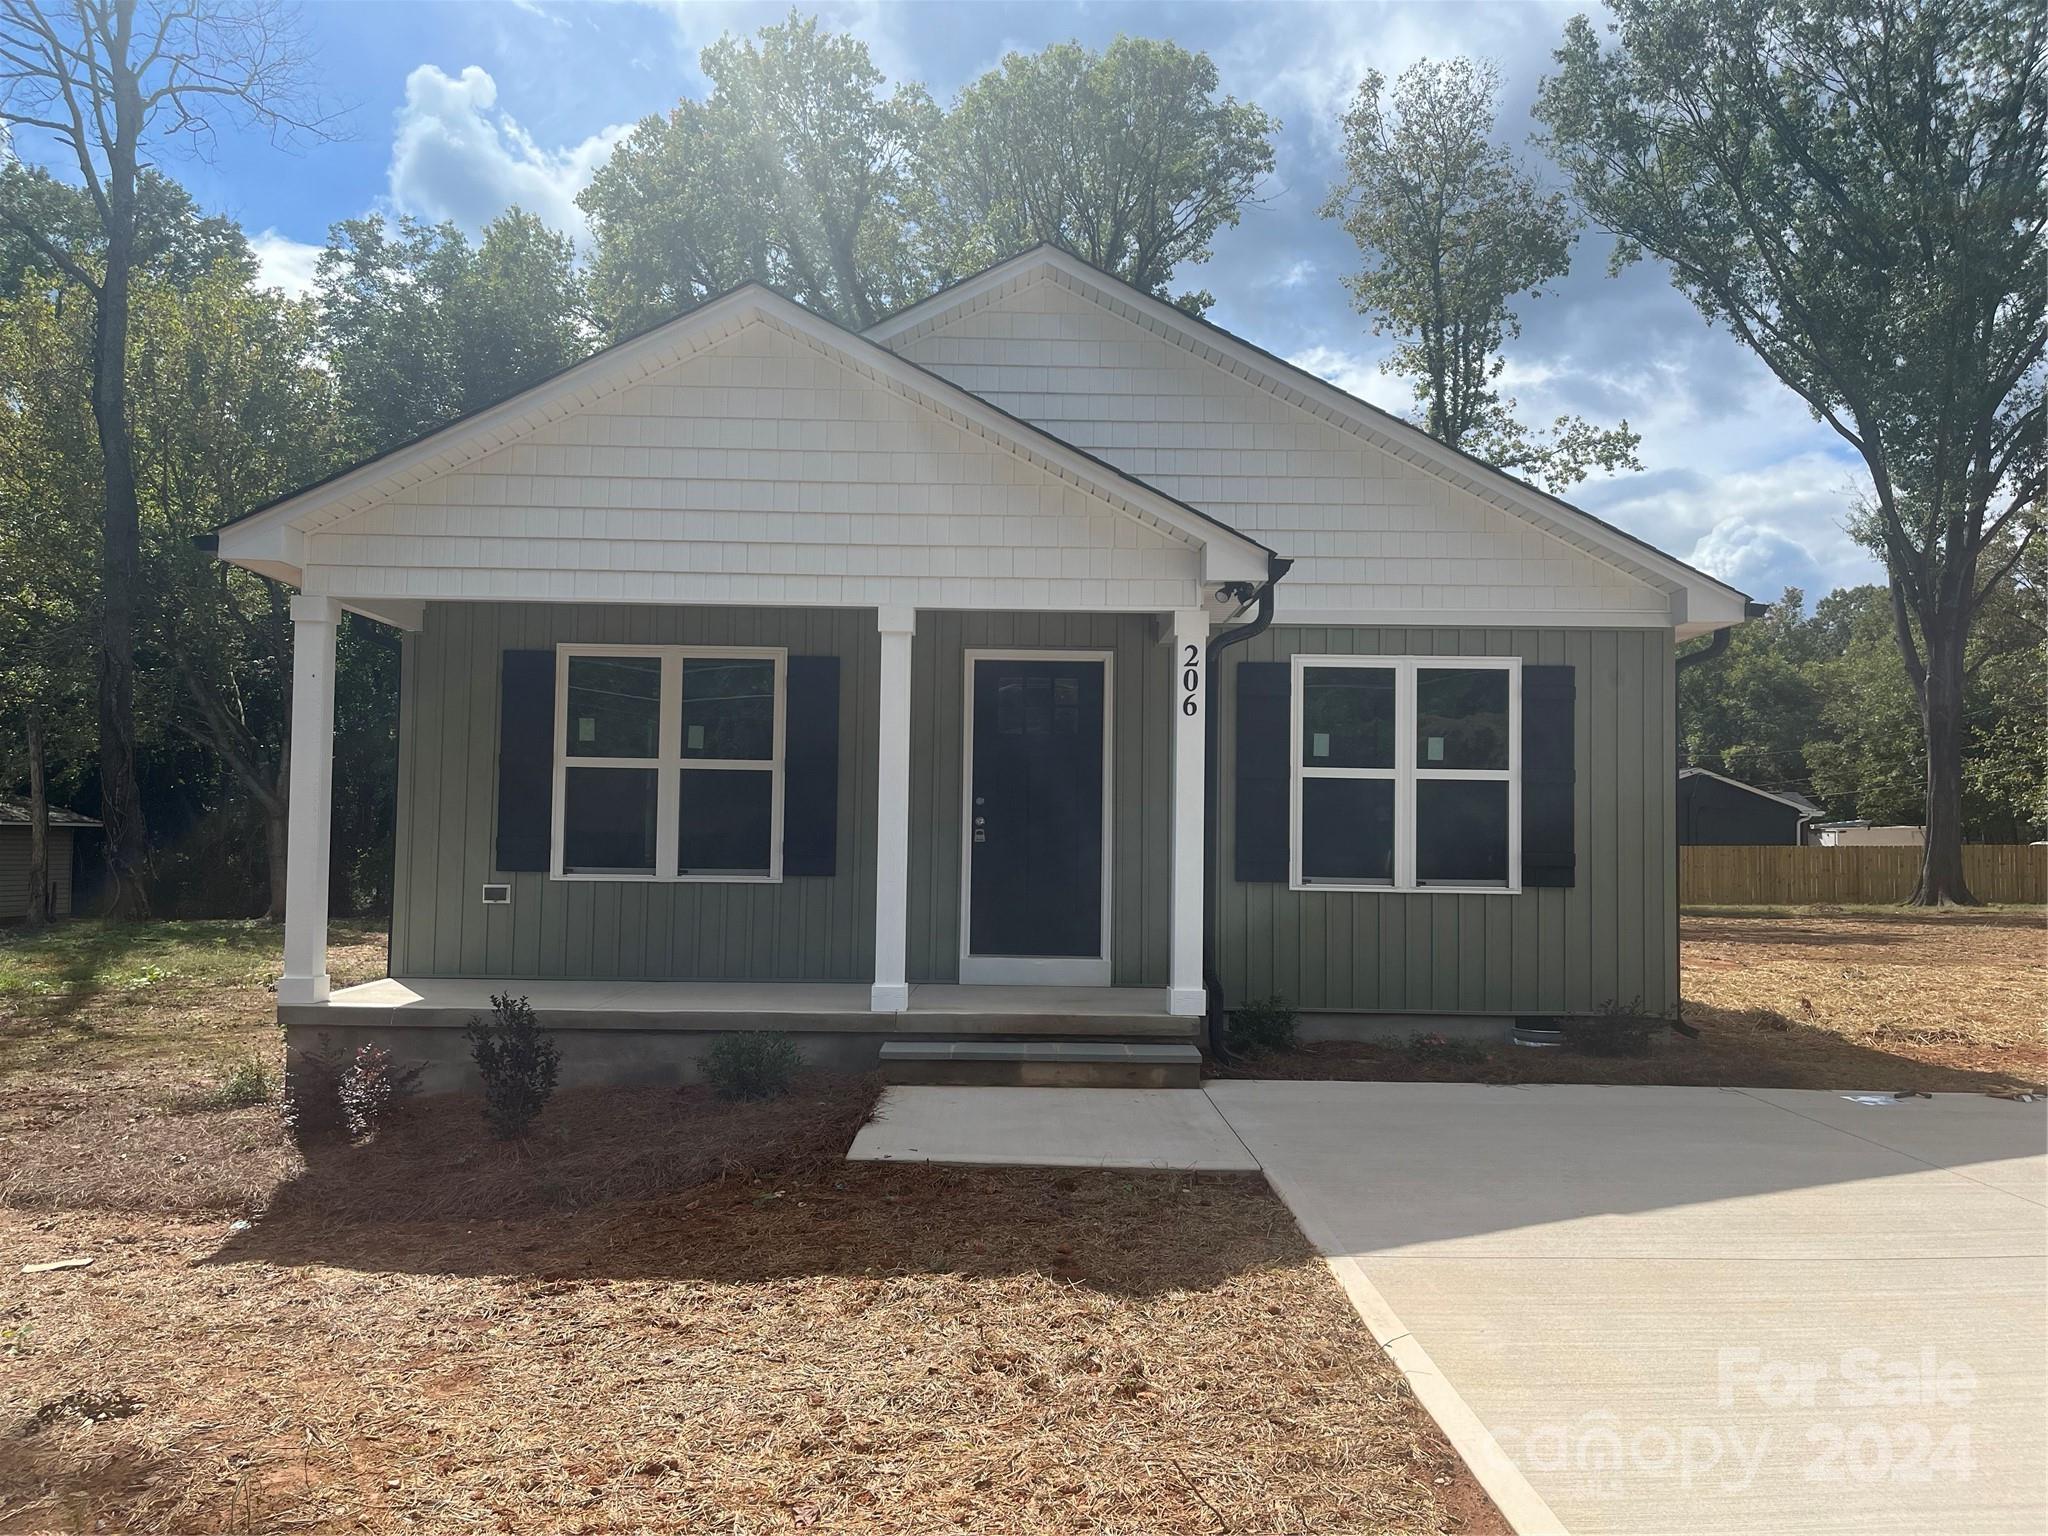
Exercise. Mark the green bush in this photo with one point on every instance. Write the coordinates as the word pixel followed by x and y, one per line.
pixel 1261 1024
pixel 1448 1048
pixel 1615 1029
pixel 752 1066
pixel 518 1062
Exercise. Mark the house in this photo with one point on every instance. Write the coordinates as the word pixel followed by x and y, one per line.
pixel 14 837
pixel 887 687
pixel 1713 808
pixel 1861 834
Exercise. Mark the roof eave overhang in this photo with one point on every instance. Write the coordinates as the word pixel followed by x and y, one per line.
pixel 272 539
pixel 1700 603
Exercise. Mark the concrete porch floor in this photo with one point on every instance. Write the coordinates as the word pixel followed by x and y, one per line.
pixel 935 1008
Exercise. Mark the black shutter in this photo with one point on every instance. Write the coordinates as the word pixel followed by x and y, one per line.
pixel 1262 761
pixel 810 774
pixel 1549 841
pixel 526 759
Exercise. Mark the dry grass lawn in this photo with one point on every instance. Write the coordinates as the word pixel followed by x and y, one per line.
pixel 1888 1000
pixel 661 1315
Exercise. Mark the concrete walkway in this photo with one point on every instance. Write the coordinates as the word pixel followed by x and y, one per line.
pixel 1651 1310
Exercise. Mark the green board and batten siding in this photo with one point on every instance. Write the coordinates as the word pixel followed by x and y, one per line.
pixel 810 929
pixel 1612 936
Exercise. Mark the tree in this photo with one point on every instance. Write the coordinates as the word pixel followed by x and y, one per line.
pixel 419 325
pixel 1859 193
pixel 47 513
pixel 231 412
pixel 1751 714
pixel 101 78
pixel 1127 157
pixel 1452 229
pixel 796 171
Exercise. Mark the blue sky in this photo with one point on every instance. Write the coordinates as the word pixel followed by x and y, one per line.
pixel 454 110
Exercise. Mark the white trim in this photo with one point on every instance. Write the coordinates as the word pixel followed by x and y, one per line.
pixel 1189 660
pixel 897 627
pixel 1406 773
pixel 1227 553
pixel 669 764
pixel 1468 618
pixel 310 816
pixel 1036 970
pixel 1718 604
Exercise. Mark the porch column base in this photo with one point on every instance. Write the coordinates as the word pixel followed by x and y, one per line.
pixel 1187 1002
pixel 303 989
pixel 883 999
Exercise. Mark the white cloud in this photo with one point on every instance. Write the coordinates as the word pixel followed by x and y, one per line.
pixel 1296 274
pixel 1357 374
pixel 283 262
pixel 455 157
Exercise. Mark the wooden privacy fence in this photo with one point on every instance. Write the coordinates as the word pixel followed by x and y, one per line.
pixel 1745 876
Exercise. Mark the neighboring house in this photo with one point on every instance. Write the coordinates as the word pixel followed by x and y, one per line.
pixel 1861 834
pixel 872 672
pixel 1713 808
pixel 64 827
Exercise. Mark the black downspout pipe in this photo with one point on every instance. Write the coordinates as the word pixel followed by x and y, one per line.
pixel 1212 982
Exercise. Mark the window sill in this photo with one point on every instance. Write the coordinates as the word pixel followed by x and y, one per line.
pixel 612 878
pixel 1407 890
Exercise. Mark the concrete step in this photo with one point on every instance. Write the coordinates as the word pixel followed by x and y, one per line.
pixel 1040 1064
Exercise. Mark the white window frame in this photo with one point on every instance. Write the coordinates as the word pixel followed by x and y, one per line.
pixel 669 764
pixel 1406 772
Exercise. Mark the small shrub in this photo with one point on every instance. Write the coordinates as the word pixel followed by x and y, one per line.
pixel 1261 1024
pixel 241 1086
pixel 312 1094
pixel 518 1062
pixel 1454 1049
pixel 1615 1029
pixel 372 1084
pixel 751 1066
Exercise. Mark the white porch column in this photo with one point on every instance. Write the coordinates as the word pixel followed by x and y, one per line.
pixel 312 800
pixel 892 812
pixel 1190 766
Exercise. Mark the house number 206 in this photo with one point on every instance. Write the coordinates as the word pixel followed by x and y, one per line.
pixel 1191 681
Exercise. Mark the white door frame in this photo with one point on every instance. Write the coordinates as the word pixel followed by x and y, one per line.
pixel 1036 970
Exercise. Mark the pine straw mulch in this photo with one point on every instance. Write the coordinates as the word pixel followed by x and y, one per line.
pixel 862 1348
pixel 1930 1002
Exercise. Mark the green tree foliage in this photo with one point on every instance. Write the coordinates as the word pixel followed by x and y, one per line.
pixel 102 84
pixel 1819 704
pixel 1860 194
pixel 419 325
pixel 1128 157
pixel 804 169
pixel 1453 230
pixel 798 170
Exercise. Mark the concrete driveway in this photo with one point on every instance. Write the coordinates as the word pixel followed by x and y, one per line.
pixel 1694 1309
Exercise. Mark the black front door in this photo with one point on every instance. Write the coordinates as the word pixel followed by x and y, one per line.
pixel 1035 817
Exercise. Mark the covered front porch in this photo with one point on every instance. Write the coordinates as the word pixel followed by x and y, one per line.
pixel 751 674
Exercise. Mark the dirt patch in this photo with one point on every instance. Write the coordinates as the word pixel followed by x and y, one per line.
pixel 865 1348
pixel 1934 1003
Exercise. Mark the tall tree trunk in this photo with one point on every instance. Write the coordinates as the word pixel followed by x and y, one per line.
pixel 1941 713
pixel 39 891
pixel 126 836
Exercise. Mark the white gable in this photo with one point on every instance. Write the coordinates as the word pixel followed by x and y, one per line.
pixel 759 468
pixel 1371 532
